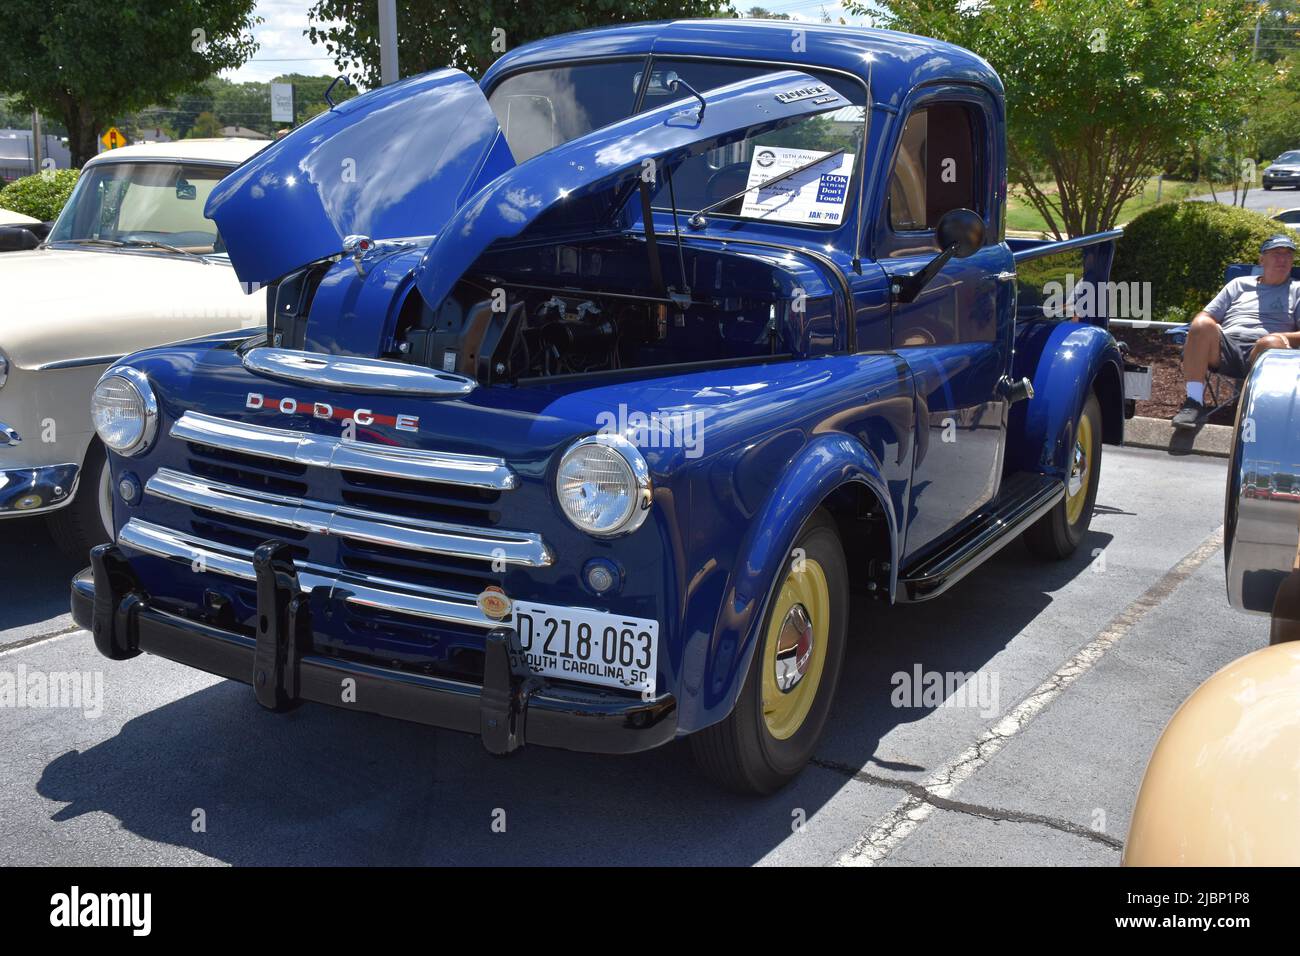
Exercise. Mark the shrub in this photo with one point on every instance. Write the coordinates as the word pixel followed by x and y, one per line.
pixel 1183 248
pixel 40 196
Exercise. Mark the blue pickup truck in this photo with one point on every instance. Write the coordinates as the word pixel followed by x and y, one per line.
pixel 590 391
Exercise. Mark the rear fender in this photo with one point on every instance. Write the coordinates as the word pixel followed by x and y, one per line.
pixel 1065 361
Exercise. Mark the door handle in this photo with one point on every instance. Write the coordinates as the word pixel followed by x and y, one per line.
pixel 1005 277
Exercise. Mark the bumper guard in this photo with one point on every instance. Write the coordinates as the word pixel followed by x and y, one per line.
pixel 512 706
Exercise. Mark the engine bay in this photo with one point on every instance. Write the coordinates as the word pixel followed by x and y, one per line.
pixel 598 306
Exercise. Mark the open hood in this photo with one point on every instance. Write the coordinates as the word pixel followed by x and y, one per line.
pixel 426 157
pixel 395 162
pixel 585 179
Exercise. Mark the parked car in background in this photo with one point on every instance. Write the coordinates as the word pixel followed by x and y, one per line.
pixel 1283 171
pixel 1222 787
pixel 131 261
pixel 20 232
pixel 1289 217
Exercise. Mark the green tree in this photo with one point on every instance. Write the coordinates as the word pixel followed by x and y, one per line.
pixel 244 104
pixel 1099 91
pixel 206 125
pixel 87 61
pixel 470 34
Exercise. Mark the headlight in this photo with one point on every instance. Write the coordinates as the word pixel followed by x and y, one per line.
pixel 124 411
pixel 603 484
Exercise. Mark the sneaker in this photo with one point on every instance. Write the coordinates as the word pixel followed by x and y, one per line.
pixel 1189 416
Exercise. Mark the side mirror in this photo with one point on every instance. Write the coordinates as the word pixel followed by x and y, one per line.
pixel 960 233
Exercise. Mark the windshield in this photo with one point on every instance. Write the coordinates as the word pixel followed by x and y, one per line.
pixel 137 203
pixel 818 196
pixel 1291 157
pixel 542 109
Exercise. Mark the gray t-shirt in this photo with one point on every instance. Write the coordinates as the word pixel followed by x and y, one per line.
pixel 1246 309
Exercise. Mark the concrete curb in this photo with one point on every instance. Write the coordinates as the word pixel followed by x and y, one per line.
pixel 1212 440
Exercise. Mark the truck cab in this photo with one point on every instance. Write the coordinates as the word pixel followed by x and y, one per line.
pixel 588 392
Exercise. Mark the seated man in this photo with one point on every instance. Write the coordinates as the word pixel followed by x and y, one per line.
pixel 1249 316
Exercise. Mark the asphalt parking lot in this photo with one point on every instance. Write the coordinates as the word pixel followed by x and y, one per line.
pixel 1081 664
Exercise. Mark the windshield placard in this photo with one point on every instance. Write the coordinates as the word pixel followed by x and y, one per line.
pixel 815 196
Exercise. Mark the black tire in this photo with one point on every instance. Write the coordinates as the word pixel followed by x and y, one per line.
pixel 1054 537
pixel 79 525
pixel 741 753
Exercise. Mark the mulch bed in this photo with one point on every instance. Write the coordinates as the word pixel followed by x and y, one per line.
pixel 1152 347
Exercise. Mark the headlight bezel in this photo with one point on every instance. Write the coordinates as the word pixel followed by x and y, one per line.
pixel 642 495
pixel 138 382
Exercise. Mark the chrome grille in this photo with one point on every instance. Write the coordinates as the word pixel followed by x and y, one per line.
pixel 396 532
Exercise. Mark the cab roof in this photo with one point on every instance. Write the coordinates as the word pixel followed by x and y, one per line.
pixel 229 150
pixel 899 61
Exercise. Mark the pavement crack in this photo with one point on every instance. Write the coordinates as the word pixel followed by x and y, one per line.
pixel 922 794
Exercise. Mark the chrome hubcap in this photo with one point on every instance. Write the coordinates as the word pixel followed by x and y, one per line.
pixel 793 649
pixel 1078 468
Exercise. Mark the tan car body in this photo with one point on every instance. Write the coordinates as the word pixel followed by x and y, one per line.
pixel 67 313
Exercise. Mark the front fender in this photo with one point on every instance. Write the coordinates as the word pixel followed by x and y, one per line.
pixel 828 462
pixel 1062 359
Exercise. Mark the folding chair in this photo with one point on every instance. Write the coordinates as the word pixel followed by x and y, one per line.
pixel 1214 381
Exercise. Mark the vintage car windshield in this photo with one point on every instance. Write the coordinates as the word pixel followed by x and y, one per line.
pixel 138 203
pixel 542 109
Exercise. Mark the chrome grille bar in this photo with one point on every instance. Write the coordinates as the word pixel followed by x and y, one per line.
pixel 357 524
pixel 377 593
pixel 282 444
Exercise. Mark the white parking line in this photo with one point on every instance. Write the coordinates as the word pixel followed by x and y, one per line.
pixel 909 813
pixel 41 638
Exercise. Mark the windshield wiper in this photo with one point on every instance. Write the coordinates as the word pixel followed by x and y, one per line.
pixel 155 244
pixel 135 244
pixel 697 220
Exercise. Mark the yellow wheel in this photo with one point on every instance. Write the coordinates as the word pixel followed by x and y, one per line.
pixel 1056 535
pixel 786 698
pixel 1077 484
pixel 794 648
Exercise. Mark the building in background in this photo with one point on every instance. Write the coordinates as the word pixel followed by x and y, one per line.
pixel 16 157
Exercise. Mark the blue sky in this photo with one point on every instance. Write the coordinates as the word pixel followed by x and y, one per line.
pixel 284 49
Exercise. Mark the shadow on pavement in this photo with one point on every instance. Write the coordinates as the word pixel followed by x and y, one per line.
pixel 321 786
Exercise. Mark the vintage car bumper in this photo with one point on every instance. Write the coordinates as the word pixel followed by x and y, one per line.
pixel 509 708
pixel 26 491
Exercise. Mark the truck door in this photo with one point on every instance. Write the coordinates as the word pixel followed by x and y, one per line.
pixel 956 335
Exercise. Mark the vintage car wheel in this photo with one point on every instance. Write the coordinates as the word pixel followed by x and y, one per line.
pixel 1057 534
pixel 88 519
pixel 777 721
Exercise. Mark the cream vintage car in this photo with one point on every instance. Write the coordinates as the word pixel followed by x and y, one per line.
pixel 131 262
pixel 1222 787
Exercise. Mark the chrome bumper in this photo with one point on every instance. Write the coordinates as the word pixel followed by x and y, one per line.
pixel 29 491
pixel 1262 506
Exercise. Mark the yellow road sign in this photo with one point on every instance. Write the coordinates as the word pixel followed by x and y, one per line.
pixel 113 138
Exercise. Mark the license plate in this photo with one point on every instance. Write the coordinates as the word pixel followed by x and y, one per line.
pixel 1137 383
pixel 594 647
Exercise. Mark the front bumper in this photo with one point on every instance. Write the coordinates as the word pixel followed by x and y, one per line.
pixel 28 491
pixel 509 708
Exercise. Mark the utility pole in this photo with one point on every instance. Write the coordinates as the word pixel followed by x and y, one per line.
pixel 387 41
pixel 37 144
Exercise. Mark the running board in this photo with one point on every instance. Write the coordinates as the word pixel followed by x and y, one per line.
pixel 1025 498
